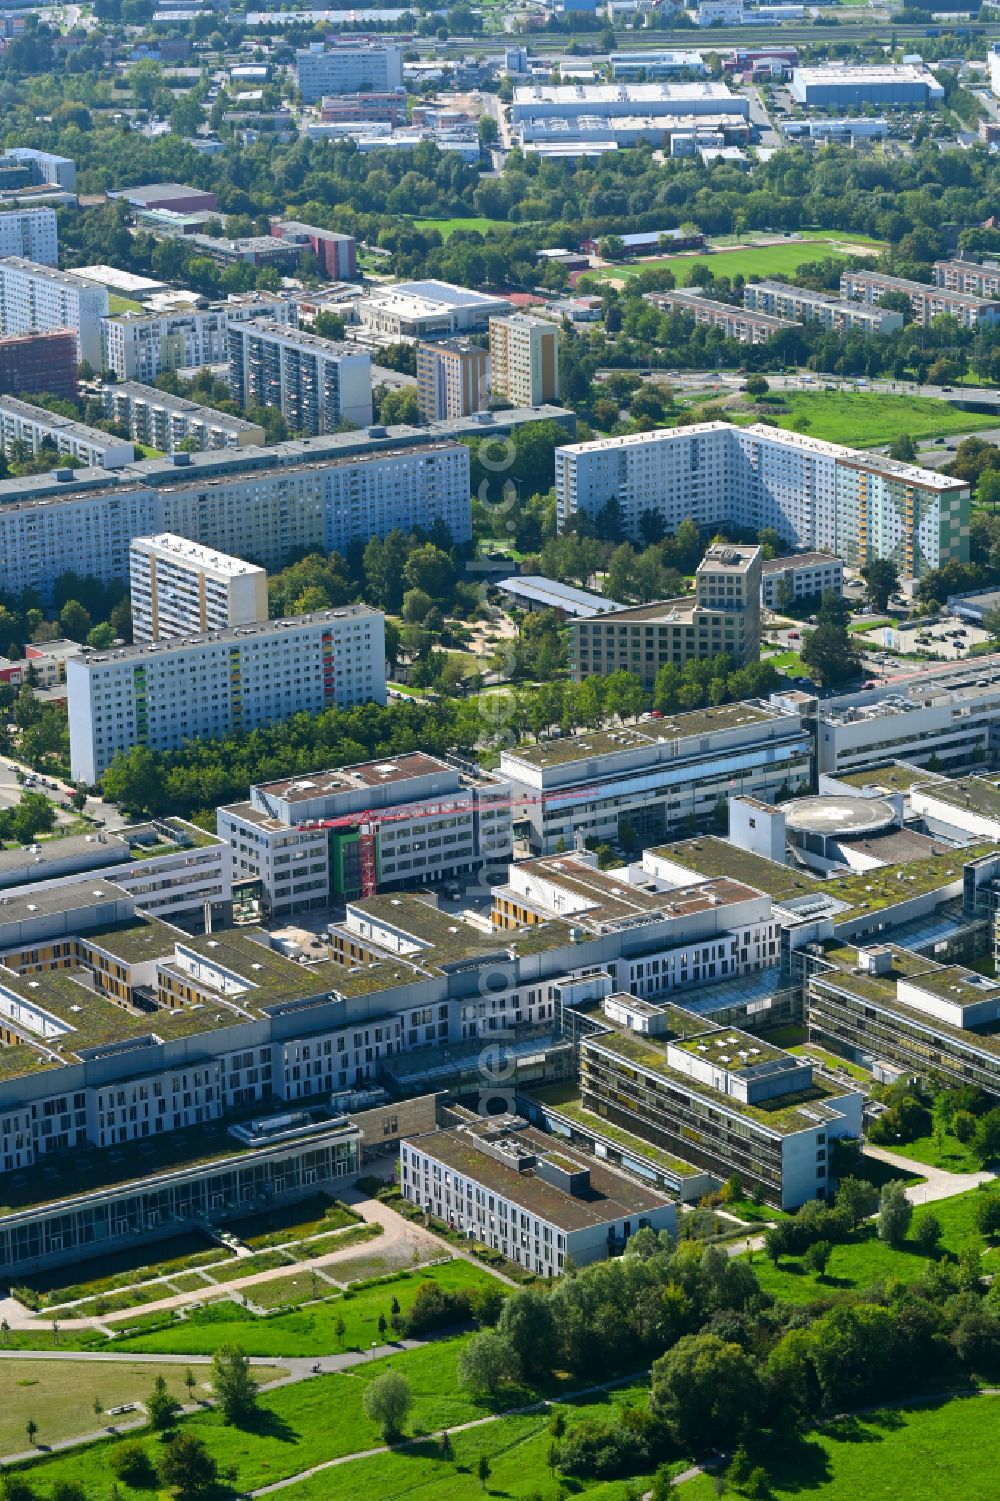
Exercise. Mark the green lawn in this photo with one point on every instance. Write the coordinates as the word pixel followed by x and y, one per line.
pixel 951 1155
pixel 866 418
pixel 60 1394
pixel 944 1453
pixel 859 1265
pixel 310 1331
pixel 447 227
pixel 118 304
pixel 832 1061
pixel 752 261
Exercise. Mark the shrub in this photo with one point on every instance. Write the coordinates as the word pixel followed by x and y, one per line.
pixel 130 1464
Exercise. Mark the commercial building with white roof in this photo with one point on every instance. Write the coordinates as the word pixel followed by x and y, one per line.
pixel 886 85
pixel 427 310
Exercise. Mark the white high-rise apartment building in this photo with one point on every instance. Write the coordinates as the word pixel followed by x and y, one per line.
pixel 317 383
pixel 179 587
pixel 820 497
pixel 140 346
pixel 368 68
pixel 269 515
pixel 34 296
pixel 220 683
pixel 32 234
pixel 524 360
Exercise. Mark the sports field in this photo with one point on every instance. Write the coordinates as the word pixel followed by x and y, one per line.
pixel 748 260
pixel 448 227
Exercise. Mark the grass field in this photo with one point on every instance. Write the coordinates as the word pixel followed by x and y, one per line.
pixel 59 1395
pixel 752 260
pixel 951 1154
pixel 310 1331
pixel 447 227
pixel 306 1423
pixel 859 1265
pixel 118 304
pixel 948 1453
pixel 867 418
pixel 289 1292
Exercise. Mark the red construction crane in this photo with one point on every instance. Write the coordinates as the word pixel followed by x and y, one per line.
pixel 367 821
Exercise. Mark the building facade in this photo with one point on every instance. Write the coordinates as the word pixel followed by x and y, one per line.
pixel 140 346
pixel 927 302
pixel 807 575
pixel 221 683
pixel 171 423
pixel 802 305
pixel 527 1195
pixel 524 360
pixel 180 588
pixel 337 254
pixel 317 383
pixel 425 821
pixel 368 67
pixel 24 425
pixel 968 277
pixel 31 234
pixel 452 379
pixel 42 361
pixel 819 495
pixel 746 327
pixel 884 85
pixel 40 297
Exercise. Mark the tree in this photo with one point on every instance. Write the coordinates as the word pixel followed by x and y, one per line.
pixel 858 1199
pixel 986 1142
pixel 339 1330
pixel 190 1383
pixel 757 385
pixel 484 1470
pixel 881 578
pixel 986 1211
pixel 431 570
pixel 991 623
pixel 386 1401
pixel 903 449
pixel 828 651
pixel 233 1384
pixel 31 1429
pixel 816 1256
pixel 988 488
pixel 130 1463
pixel 186 1465
pixel 527 1321
pixel 705 1386
pixel 16 1488
pixel 927 1235
pixel 161 1407
pixel 74 620
pixel 488 1362
pixel 68 1490
pixel 894 1213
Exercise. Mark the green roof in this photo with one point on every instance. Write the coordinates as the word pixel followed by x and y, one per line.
pixel 899 777
pixel 565 1097
pixel 711 856
pixel 871 890
pixel 977 794
pixel 645 733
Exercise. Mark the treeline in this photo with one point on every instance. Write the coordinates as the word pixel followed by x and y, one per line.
pixel 732 1367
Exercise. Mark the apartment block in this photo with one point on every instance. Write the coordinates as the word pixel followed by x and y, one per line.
pixel 220 683
pixel 140 346
pixel 337 254
pixel 181 588
pixel 317 383
pixel 268 505
pixel 723 615
pixel 172 423
pixel 368 67
pixel 747 327
pixel 821 496
pixel 30 233
pixel 807 575
pixel 39 297
pixel 524 360
pixel 803 305
pixel 533 1198
pixel 413 820
pixel 722 1099
pixel 927 302
pixel 31 426
pixel 969 277
pixel 654 775
pixel 42 361
pixel 452 379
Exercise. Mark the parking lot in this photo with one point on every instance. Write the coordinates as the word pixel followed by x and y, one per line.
pixel 948 640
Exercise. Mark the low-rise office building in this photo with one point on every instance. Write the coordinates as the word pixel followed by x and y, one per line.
pixel 807 575
pixel 723 615
pixel 654 775
pixel 740 323
pixel 533 1198
pixel 172 423
pixel 405 822
pixel 220 683
pixel 723 1099
pixel 180 588
pixel 802 305
pixel 413 310
pixel 317 383
pixel 28 426
pixel 927 302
